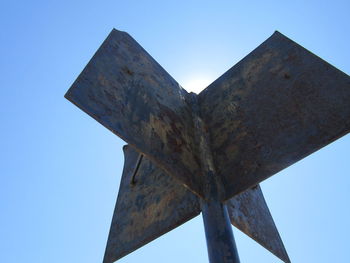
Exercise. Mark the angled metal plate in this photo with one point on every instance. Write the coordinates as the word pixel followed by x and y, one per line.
pixel 149 204
pixel 128 92
pixel 275 107
pixel 248 212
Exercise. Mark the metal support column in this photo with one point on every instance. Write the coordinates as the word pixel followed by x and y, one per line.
pixel 218 232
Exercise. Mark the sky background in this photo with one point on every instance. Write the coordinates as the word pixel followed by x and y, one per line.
pixel 60 169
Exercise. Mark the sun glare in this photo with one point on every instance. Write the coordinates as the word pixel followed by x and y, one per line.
pixel 196 85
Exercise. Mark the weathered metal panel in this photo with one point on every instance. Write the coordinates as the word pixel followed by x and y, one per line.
pixel 275 107
pixel 128 92
pixel 248 212
pixel 150 203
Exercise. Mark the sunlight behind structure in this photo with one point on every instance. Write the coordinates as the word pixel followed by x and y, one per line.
pixel 197 84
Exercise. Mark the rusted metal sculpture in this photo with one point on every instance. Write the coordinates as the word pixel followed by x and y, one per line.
pixel 207 153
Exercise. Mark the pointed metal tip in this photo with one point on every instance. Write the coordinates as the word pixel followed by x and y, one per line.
pixel 116 31
pixel 278 34
pixel 105 260
pixel 66 95
pixel 287 260
pixel 250 214
pixel 108 258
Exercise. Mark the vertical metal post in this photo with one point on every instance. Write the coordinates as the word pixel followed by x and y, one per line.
pixel 218 232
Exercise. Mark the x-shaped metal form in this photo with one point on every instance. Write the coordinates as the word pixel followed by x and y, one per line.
pixel 276 106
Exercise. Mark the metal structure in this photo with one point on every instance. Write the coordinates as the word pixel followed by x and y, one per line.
pixel 190 153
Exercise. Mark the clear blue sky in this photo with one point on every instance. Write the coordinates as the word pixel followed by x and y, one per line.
pixel 60 169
